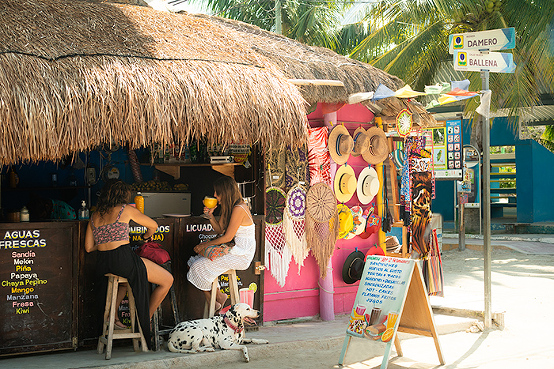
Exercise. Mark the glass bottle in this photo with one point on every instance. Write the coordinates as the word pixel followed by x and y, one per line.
pixel 83 211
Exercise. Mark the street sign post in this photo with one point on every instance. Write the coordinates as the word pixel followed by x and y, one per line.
pixel 472 53
pixel 494 39
pixel 477 61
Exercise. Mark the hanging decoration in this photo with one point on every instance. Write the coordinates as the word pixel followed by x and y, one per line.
pixel 278 255
pixel 294 224
pixel 296 164
pixel 404 122
pixel 319 159
pixel 321 224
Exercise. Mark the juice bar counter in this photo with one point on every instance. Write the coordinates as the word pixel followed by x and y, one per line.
pixel 48 297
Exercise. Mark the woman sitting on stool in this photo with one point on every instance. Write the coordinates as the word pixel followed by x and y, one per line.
pixel 235 223
pixel 108 232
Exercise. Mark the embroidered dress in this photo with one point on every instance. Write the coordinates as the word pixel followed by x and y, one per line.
pixel 204 271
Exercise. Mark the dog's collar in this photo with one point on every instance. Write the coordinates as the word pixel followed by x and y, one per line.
pixel 237 329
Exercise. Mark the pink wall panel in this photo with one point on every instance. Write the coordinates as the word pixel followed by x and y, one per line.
pixel 299 297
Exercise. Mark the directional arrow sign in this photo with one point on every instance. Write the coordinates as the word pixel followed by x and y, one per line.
pixel 477 61
pixel 494 39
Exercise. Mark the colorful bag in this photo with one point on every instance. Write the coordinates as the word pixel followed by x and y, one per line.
pixel 215 251
pixel 153 251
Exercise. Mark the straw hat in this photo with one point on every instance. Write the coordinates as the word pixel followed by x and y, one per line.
pixel 346 220
pixel 358 221
pixel 361 142
pixel 340 144
pixel 345 183
pixel 368 185
pixel 353 267
pixel 378 146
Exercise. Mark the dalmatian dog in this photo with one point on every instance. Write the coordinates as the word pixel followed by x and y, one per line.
pixel 225 332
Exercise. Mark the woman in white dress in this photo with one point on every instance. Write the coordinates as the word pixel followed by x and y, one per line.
pixel 235 223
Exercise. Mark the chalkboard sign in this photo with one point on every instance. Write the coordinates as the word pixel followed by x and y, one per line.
pixel 36 277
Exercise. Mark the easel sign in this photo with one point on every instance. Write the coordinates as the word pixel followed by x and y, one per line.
pixel 388 286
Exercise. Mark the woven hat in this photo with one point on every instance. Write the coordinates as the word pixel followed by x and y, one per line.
pixel 358 222
pixel 378 146
pixel 345 183
pixel 346 220
pixel 340 144
pixel 353 267
pixel 361 142
pixel 368 185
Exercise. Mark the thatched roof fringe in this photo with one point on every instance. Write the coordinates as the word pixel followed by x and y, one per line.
pixel 79 103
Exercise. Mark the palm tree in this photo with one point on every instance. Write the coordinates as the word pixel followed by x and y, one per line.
pixel 311 22
pixel 409 39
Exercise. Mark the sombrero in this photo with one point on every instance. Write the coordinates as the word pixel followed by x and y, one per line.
pixel 378 146
pixel 346 220
pixel 340 144
pixel 344 183
pixel 353 267
pixel 368 185
pixel 358 222
pixel 361 142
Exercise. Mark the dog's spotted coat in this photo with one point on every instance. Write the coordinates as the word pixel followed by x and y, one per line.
pixel 224 332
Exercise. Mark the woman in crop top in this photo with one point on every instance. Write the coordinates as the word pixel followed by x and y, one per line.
pixel 108 233
pixel 235 223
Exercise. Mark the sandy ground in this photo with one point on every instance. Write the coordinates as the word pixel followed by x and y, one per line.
pixel 522 287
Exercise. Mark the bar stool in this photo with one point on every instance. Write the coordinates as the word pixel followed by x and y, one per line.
pixel 209 310
pixel 157 320
pixel 108 332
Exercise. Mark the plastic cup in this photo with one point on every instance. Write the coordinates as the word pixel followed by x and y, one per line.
pixel 391 320
pixel 246 296
pixel 360 310
pixel 375 315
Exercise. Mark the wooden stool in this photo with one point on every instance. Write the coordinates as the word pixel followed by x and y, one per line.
pixel 157 320
pixel 209 310
pixel 108 332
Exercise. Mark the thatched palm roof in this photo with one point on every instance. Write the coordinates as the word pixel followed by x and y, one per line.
pixel 77 74
pixel 300 61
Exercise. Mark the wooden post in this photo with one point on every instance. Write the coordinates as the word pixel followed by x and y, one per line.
pixel 380 198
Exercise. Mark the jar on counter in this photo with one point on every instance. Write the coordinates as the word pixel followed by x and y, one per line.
pixel 24 214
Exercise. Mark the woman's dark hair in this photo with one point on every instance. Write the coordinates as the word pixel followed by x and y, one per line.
pixel 228 190
pixel 114 193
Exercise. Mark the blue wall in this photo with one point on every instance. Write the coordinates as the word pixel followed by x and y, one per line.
pixel 534 176
pixel 38 177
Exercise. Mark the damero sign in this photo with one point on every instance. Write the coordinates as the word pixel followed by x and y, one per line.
pixel 495 39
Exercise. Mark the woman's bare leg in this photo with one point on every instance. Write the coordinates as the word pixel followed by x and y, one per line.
pixel 157 275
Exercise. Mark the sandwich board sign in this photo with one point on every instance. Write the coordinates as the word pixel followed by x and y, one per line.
pixel 471 60
pixel 391 298
pixel 494 39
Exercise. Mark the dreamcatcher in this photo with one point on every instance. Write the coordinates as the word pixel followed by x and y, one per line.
pixel 322 224
pixel 277 254
pixel 294 224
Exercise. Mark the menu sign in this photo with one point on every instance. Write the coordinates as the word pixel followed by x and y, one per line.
pixel 380 298
pixel 36 304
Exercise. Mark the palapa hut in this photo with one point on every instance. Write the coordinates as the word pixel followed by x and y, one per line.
pixel 306 65
pixel 76 74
